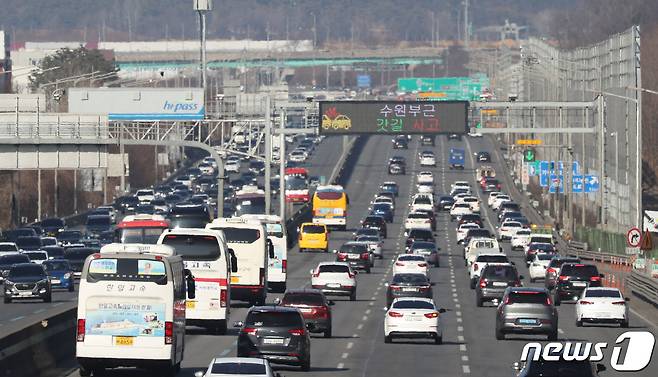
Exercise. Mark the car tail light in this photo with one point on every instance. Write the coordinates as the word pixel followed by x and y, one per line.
pixel 399 263
pixel 517 283
pixel 297 332
pixel 619 303
pixel 249 330
pixel 316 274
pixel 284 265
pixel 431 315
pixel 365 256
pixel 475 267
pixel 262 276
pixel 351 275
pixel 395 314
pixel 222 298
pixel 321 312
pixel 341 256
pixel 506 301
pixel 483 283
pixel 422 264
pixel 81 330
pixel 548 301
pixel 563 277
pixel 595 278
pixel 545 321
pixel 583 302
pixel 551 270
pixel 424 289
pixel 169 332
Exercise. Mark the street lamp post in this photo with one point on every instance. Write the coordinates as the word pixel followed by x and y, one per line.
pixel 618 204
pixel 203 7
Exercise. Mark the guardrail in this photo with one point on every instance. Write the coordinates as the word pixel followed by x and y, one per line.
pixel 579 249
pixel 643 286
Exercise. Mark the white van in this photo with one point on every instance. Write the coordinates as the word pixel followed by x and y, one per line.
pixel 131 309
pixel 210 261
pixel 277 268
pixel 248 239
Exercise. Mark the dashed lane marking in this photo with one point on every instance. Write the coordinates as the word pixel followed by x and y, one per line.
pixel 460 338
pixel 345 355
pixel 350 345
pixel 464 358
pixel 460 328
pixel 340 366
pixel 17 318
pixel 359 327
pixel 364 318
pixel 368 311
pixel 225 352
pixel 466 369
pixel 462 347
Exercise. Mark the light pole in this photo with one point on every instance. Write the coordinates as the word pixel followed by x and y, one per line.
pixel 618 216
pixel 203 7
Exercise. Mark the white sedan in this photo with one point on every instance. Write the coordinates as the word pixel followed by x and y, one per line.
pixel 425 176
pixel 460 184
pixel 508 229
pixel 602 304
pixel 417 220
pixel 459 209
pixel 427 159
pixel 237 366
pixel 538 266
pixel 232 166
pixel 425 188
pixel 471 201
pixel 520 239
pixel 463 229
pixel 413 317
pixel 410 264
pixel 500 199
pixel 492 197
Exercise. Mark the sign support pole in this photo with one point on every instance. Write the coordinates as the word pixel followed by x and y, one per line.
pixel 268 155
pixel 282 166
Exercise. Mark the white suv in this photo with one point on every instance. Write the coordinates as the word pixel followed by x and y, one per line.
pixel 463 229
pixel 427 159
pixel 425 176
pixel 508 229
pixel 458 209
pixel 334 278
pixel 145 195
pixel 417 220
pixel 422 201
pixel 472 201
pixel 481 261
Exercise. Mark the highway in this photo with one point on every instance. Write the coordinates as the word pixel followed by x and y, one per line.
pixel 358 348
pixel 20 313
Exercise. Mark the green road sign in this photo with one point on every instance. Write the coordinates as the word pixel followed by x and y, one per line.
pixel 529 155
pixel 446 88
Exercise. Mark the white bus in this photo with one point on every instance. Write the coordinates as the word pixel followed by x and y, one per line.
pixel 248 239
pixel 131 309
pixel 210 261
pixel 277 269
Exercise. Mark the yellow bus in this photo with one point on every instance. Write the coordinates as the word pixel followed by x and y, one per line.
pixel 330 206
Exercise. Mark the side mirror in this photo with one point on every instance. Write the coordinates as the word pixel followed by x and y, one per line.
pixel 198 373
pixel 277 301
pixel 190 285
pixel 238 324
pixel 234 261
pixel 331 303
pixel 601 275
pixel 442 310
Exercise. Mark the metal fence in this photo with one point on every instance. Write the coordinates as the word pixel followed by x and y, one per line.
pixel 605 74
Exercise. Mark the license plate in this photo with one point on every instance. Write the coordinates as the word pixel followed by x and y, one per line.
pixel 353 256
pixel 409 289
pixel 25 293
pixel 124 340
pixel 55 281
pixel 234 279
pixel 527 321
pixel 190 304
pixel 413 318
pixel 579 284
pixel 333 285
pixel 304 310
pixel 272 341
pixel 499 284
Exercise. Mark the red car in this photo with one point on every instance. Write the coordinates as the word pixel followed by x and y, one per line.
pixel 313 305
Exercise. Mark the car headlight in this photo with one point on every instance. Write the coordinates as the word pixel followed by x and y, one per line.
pixel 67 275
pixel 43 282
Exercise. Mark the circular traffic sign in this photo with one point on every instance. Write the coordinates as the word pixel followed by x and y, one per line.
pixel 634 237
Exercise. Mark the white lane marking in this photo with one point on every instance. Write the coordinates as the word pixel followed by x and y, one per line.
pixel 462 347
pixel 340 366
pixel 458 306
pixel 360 326
pixel 225 352
pixel 17 318
pixel 364 318
pixel 344 355
pixel 39 311
pixel 368 311
pixel 560 331
pixel 466 369
pixel 454 295
pixel 464 358
pixel 350 345
pixel 460 338
pixel 454 289
pixel 371 303
pixel 355 335
pixel 460 328
pixel 58 303
pixel 458 313
pixel 459 320
pixel 653 324
pixel 452 281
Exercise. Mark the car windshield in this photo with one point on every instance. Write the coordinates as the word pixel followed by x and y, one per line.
pixel 560 368
pixel 334 268
pixel 410 279
pixel 367 239
pixel 522 232
pixel 421 233
pixel 27 270
pixel 367 232
pixel 381 207
pixel 422 200
pixel 313 229
pixel 353 248
pixel 98 221
pixel 500 272
pixel 492 259
pixel 423 246
pixel 13 259
pixel 274 319
pixel 610 293
pixel 413 304
pixel 36 255
pixel 56 266
pixel 237 368
pixel 543 257
pixel 313 299
pixel 579 270
pixel 52 223
pixel 295 183
pixel 8 247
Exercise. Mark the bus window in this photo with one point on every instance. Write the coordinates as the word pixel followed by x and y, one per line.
pixel 142 270
pixel 194 247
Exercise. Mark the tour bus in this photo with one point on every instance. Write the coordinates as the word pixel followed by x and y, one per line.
pixel 296 184
pixel 248 239
pixel 277 266
pixel 210 261
pixel 141 228
pixel 249 200
pixel 330 206
pixel 131 309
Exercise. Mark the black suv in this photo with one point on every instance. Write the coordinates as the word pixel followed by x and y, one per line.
pixel 276 333
pixel 76 257
pixel 553 269
pixel 494 280
pixel 427 140
pixel 397 167
pixel 8 260
pixel 27 281
pixel 573 279
pixel 376 222
pixel 408 285
pixel 416 234
pixel 400 142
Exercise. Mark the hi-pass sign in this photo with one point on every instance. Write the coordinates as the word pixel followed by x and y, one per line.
pixel 393 117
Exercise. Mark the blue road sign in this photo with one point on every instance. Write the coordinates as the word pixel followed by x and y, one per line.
pixel 577 184
pixel 533 168
pixel 560 168
pixel 592 183
pixel 363 81
pixel 556 181
pixel 575 168
pixel 543 173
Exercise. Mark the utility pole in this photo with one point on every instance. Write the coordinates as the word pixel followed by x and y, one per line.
pixel 466 27
pixel 203 7
pixel 268 155
pixel 282 165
